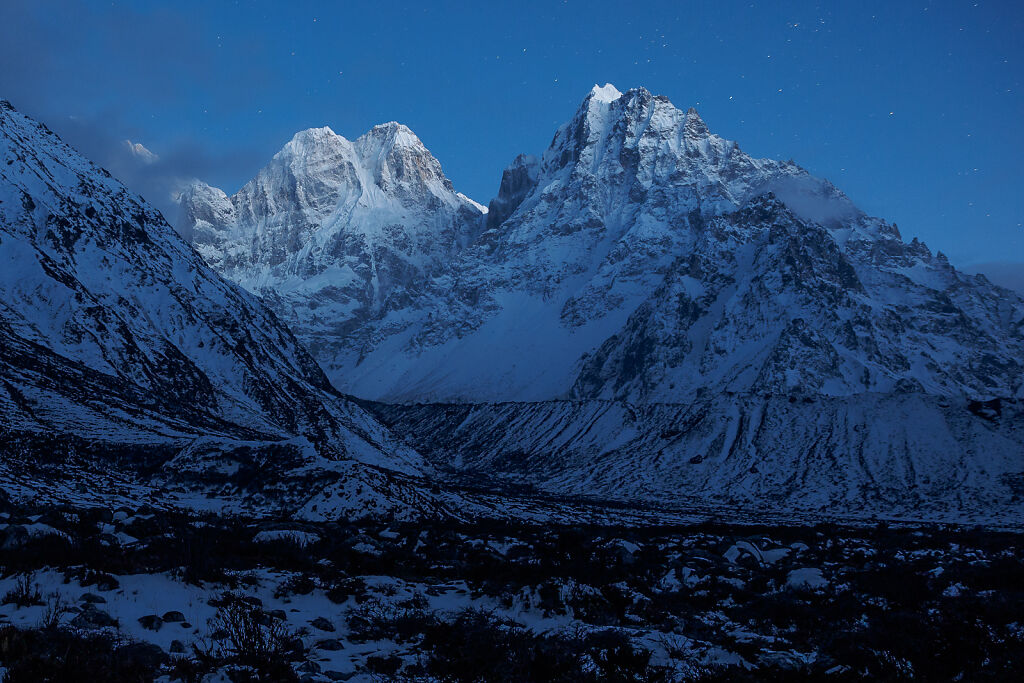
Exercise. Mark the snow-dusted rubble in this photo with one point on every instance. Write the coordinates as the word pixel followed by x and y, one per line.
pixel 436 601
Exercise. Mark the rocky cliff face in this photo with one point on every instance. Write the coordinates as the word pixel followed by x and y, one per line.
pixel 517 181
pixel 765 301
pixel 115 331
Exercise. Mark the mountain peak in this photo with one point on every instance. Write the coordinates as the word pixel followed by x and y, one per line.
pixel 314 134
pixel 323 209
pixel 605 93
pixel 394 134
pixel 695 124
pixel 196 188
pixel 305 142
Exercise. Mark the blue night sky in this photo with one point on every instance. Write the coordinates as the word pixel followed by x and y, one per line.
pixel 914 109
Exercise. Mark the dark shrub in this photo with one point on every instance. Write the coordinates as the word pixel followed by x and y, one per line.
pixel 25 592
pixel 400 621
pixel 299 584
pixel 481 647
pixel 249 638
pixel 61 656
pixel 345 588
pixel 386 666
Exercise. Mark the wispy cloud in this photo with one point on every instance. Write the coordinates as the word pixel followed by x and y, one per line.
pixel 139 151
pixel 87 71
pixel 157 174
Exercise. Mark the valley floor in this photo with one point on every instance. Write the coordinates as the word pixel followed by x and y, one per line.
pixel 140 594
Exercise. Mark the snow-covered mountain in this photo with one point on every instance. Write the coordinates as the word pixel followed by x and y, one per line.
pixel 651 314
pixel 114 331
pixel 642 258
pixel 334 233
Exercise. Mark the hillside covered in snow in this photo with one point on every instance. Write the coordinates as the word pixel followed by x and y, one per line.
pixel 123 353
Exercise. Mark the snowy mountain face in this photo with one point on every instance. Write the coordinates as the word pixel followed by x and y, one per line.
pixel 764 301
pixel 642 258
pixel 114 330
pixel 334 233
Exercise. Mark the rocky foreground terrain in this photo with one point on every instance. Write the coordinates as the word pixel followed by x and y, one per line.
pixel 140 594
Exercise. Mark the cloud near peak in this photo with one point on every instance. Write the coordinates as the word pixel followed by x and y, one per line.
pixel 139 151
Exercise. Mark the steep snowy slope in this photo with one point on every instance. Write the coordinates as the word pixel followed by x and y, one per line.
pixel 644 258
pixel 332 232
pixel 114 330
